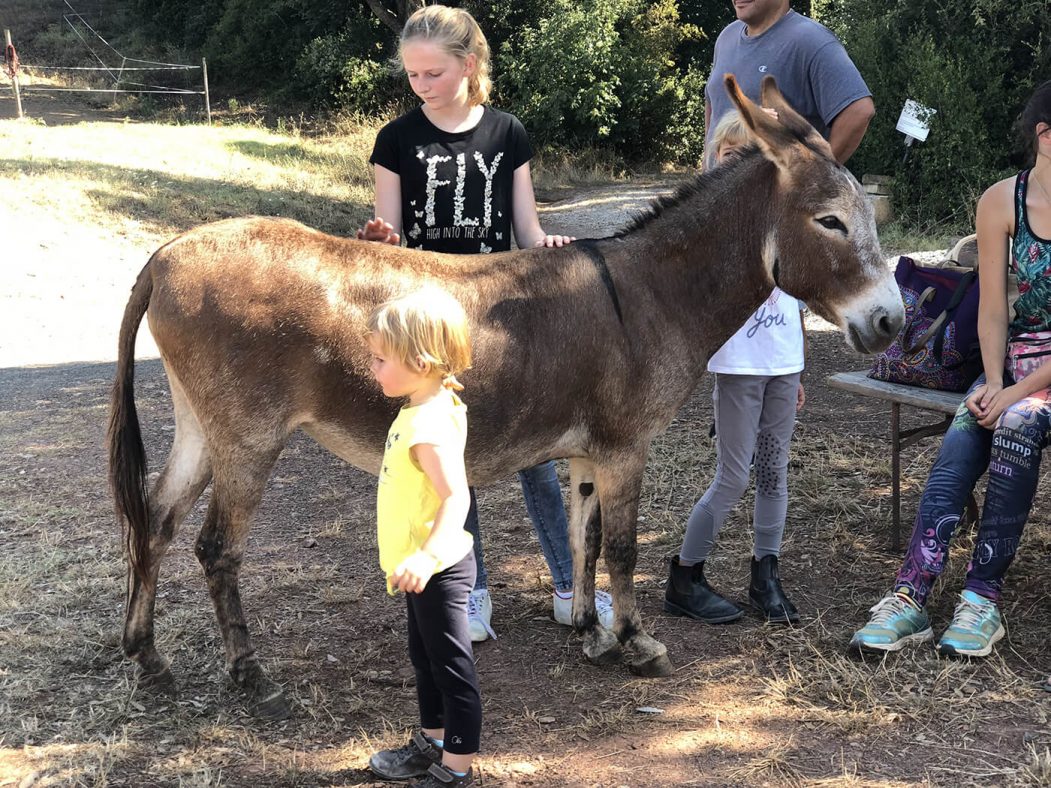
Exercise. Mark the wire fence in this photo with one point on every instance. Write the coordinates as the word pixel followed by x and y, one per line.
pixel 124 78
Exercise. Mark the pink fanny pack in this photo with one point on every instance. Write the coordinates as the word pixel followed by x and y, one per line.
pixel 1026 353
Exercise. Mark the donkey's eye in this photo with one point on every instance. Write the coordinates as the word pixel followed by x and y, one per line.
pixel 832 223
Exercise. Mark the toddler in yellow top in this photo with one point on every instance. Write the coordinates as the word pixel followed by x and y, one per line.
pixel 408 502
pixel 419 343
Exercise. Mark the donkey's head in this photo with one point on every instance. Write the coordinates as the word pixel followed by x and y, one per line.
pixel 822 246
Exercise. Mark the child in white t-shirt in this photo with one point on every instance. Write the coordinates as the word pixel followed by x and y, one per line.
pixel 757 395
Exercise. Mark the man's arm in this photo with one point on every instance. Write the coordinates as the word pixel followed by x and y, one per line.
pixel 849 127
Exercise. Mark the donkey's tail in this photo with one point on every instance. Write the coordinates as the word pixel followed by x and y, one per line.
pixel 127 456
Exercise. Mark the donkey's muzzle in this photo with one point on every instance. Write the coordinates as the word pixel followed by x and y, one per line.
pixel 885 326
pixel 877 330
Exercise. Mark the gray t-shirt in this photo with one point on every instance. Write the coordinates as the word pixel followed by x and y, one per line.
pixel 811 67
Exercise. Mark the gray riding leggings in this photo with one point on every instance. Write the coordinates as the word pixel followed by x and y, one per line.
pixel 754 416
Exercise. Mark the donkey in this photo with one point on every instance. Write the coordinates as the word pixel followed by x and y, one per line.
pixel 585 352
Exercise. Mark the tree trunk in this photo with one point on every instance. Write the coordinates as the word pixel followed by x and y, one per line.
pixel 395 19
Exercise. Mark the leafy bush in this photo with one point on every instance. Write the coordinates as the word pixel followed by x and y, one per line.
pixel 600 72
pixel 622 76
pixel 351 70
pixel 253 44
pixel 683 140
pixel 974 62
pixel 54 45
pixel 611 75
pixel 182 23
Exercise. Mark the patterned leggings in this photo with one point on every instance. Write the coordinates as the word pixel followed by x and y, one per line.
pixel 1011 453
pixel 755 416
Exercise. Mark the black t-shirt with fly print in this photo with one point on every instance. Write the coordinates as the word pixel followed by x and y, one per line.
pixel 456 188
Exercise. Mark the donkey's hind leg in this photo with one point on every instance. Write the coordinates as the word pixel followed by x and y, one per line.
pixel 619 484
pixel 240 476
pixel 585 539
pixel 180 484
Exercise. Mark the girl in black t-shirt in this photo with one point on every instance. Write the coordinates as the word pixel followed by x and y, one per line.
pixel 453 176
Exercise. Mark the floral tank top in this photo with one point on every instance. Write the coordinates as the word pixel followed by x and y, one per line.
pixel 1031 265
pixel 1029 333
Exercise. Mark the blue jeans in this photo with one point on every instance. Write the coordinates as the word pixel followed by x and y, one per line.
pixel 1011 453
pixel 543 499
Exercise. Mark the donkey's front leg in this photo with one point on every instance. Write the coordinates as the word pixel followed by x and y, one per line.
pixel 619 482
pixel 585 540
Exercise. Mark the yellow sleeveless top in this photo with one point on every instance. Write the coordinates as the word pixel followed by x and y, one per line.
pixel 406 502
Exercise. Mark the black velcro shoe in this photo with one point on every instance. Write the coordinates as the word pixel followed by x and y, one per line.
pixel 412 760
pixel 440 777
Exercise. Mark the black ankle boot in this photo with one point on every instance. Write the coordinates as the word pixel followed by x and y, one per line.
pixel 767 594
pixel 688 594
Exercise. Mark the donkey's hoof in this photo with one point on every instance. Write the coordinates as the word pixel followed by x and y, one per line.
pixel 655 667
pixel 272 708
pixel 161 683
pixel 610 656
pixel 601 647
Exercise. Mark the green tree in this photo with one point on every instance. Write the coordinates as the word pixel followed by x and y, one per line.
pixel 600 73
pixel 975 63
pixel 352 69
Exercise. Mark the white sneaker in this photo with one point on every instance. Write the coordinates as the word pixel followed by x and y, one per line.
pixel 479 615
pixel 603 607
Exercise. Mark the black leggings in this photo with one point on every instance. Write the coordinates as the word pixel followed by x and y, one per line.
pixel 440 650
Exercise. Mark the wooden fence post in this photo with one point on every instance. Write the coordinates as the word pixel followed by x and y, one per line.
pixel 14 74
pixel 207 97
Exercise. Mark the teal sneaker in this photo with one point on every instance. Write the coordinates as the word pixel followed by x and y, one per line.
pixel 895 624
pixel 975 627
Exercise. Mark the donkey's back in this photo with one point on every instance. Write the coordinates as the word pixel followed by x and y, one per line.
pixel 260 323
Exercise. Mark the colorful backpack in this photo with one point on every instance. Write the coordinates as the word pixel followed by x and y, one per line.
pixel 937 347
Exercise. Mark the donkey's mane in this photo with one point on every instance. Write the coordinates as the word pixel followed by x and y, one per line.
pixel 707 181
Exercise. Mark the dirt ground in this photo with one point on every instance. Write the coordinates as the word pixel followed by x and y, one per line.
pixel 749 704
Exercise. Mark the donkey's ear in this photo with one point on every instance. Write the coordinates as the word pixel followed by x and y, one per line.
pixel 792 120
pixel 773 138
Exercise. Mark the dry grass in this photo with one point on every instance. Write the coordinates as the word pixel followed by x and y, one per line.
pixel 556 170
pixel 772 766
pixel 156 180
pixel 756 705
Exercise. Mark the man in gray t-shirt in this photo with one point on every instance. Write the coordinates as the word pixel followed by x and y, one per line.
pixel 812 70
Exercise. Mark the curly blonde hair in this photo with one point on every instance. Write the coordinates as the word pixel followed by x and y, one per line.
pixel 429 324
pixel 457 32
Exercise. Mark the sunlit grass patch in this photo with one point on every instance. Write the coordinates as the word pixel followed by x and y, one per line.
pixel 160 179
